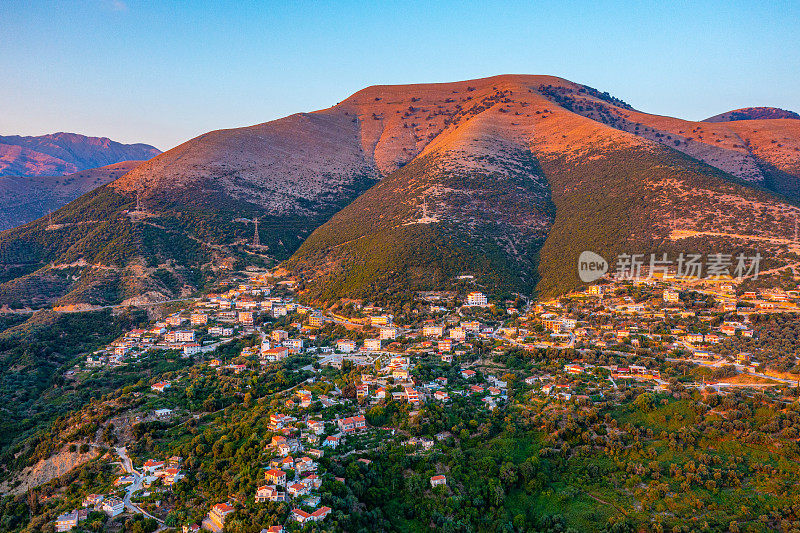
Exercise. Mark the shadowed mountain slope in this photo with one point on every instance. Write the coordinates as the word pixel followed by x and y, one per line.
pixel 26 198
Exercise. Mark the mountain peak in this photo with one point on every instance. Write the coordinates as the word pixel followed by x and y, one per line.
pixel 753 113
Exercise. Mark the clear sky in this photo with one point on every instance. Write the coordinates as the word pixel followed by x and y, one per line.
pixel 163 72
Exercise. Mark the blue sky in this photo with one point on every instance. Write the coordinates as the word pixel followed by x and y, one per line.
pixel 164 72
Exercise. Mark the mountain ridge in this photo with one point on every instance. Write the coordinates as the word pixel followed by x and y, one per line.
pixel 522 171
pixel 64 153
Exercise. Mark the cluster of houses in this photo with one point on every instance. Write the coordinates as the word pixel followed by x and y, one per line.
pixel 94 502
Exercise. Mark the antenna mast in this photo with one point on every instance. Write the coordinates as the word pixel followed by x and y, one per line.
pixel 256 240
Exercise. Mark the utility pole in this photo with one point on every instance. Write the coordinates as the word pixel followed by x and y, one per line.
pixel 256 239
pixel 50 219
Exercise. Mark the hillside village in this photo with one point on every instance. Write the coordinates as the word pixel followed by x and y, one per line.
pixel 603 341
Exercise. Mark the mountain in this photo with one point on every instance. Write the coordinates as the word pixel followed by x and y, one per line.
pixel 752 113
pixel 62 153
pixel 26 198
pixel 498 183
pixel 576 170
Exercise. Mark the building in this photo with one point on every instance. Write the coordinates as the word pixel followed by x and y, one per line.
pixel 438 480
pixel 269 493
pixel 219 513
pixel 445 345
pixel 151 465
pixel 351 423
pixel 198 319
pixel 387 333
pixel 477 299
pixel 302 516
pixel 191 348
pixel 161 386
pixel 372 344
pixel 595 290
pixel 275 354
pixel 671 296
pixel 382 320
pixel 362 390
pixel 432 331
pixel 67 521
pixel 279 335
pixel 113 506
pixel 316 321
pixel 184 336
pixel 346 345
pixel 273 475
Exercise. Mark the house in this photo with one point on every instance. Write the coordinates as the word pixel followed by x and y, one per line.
pixel 387 333
pixel 352 423
pixel 438 480
pixel 170 476
pixel 412 396
pixel 380 393
pixel 432 331
pixel 219 513
pixel 315 453
pixel 441 395
pixel 93 500
pixel 294 345
pixel 279 335
pixel 151 465
pixel 468 374
pixel 312 481
pixel 303 517
pixel 184 336
pixel 67 521
pixel 400 373
pixel 245 317
pixel 445 345
pixel 457 334
pixel 362 391
pixel 477 299
pixel 573 369
pixel 671 296
pixel 372 344
pixel 316 321
pixel 321 513
pixel 191 348
pixel 175 320
pixel 304 464
pixel 275 354
pixel 346 345
pixel 447 358
pixel 317 426
pixel 382 320
pixel 331 442
pixel 297 489
pixel 273 475
pixel 198 319
pixel 113 506
pixel 273 529
pixel 269 493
